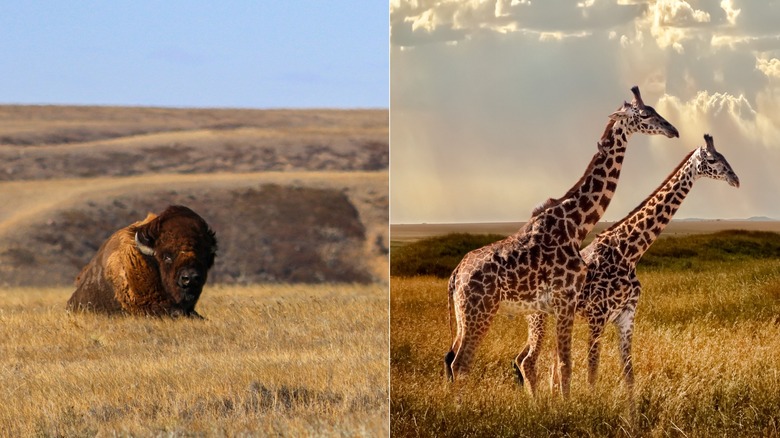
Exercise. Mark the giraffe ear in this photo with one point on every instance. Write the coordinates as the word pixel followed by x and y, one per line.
pixel 621 112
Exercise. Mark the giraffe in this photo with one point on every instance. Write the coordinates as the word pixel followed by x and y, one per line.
pixel 539 268
pixel 612 289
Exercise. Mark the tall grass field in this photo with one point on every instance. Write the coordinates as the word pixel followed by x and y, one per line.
pixel 295 360
pixel 706 353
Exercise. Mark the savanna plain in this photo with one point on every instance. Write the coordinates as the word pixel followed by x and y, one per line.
pixel 706 348
pixel 295 336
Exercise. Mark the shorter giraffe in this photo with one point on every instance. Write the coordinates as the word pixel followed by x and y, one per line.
pixel 612 288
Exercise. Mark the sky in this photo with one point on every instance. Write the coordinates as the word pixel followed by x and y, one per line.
pixel 497 105
pixel 237 54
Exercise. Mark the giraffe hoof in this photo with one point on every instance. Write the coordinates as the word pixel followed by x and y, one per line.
pixel 518 374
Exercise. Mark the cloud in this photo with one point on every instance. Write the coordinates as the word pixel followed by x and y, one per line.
pixel 418 22
pixel 496 105
pixel 769 67
pixel 728 113
pixel 669 22
pixel 731 12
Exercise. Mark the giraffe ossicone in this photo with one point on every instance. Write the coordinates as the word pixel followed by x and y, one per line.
pixel 539 268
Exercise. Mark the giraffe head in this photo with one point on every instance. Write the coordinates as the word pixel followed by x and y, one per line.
pixel 638 117
pixel 710 163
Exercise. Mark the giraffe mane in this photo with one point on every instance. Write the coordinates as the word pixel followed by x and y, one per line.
pixel 607 136
pixel 644 202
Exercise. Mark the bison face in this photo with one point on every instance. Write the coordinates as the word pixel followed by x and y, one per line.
pixel 183 248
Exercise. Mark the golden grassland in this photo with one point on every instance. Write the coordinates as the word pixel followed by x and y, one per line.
pixel 268 360
pixel 42 129
pixel 706 354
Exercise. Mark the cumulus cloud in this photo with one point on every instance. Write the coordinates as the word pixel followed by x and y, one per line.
pixel 705 106
pixel 731 12
pixel 769 67
pixel 419 22
pixel 727 113
pixel 670 21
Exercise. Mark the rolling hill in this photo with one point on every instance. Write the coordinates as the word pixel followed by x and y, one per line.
pixel 293 195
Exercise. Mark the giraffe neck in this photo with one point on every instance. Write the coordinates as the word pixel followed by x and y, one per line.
pixel 640 228
pixel 585 203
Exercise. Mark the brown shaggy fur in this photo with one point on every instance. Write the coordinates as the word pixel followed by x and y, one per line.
pixel 157 266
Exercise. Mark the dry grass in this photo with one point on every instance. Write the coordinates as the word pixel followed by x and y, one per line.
pixel 48 142
pixel 268 360
pixel 706 352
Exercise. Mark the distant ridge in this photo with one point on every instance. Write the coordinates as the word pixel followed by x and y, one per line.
pixel 760 219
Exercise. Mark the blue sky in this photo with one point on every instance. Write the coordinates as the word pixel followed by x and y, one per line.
pixel 247 54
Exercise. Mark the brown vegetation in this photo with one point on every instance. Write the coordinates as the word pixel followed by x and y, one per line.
pixel 45 142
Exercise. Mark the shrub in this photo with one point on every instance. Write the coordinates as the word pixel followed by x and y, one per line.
pixel 436 256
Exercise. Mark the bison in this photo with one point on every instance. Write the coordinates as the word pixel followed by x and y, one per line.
pixel 157 266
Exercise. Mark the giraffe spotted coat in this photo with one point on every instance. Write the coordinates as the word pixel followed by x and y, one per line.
pixel 539 268
pixel 612 288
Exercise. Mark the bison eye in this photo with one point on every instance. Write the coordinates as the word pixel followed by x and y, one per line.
pixel 167 258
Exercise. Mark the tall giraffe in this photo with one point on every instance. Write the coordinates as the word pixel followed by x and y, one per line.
pixel 539 268
pixel 612 288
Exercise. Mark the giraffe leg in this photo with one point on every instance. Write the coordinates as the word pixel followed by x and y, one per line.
pixel 518 360
pixel 472 328
pixel 564 323
pixel 596 330
pixel 525 362
pixel 625 326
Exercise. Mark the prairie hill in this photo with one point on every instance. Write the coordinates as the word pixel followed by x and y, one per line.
pixel 48 142
pixel 294 196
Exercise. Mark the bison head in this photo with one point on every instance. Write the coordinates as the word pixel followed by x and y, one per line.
pixel 183 248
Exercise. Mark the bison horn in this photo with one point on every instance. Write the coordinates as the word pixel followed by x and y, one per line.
pixel 144 248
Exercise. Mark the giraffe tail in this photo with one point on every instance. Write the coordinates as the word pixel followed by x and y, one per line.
pixel 450 292
pixel 450 356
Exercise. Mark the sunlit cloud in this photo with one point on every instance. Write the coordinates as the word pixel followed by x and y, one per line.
pixel 728 113
pixel 731 12
pixel 769 67
pixel 432 21
pixel 670 22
